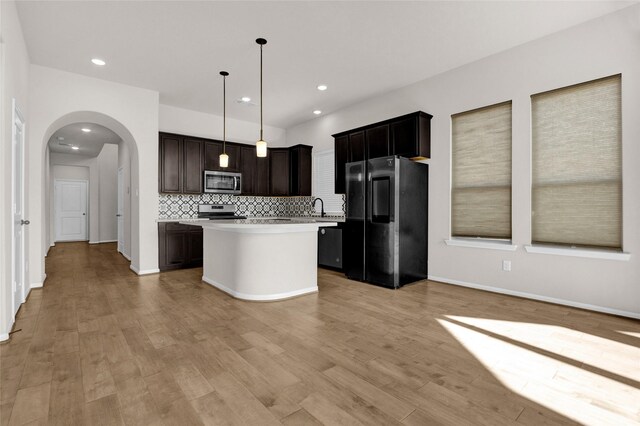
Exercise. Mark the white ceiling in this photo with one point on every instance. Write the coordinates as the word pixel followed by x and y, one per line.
pixel 359 48
pixel 89 144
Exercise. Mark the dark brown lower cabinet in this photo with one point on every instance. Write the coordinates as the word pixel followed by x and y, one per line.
pixel 179 246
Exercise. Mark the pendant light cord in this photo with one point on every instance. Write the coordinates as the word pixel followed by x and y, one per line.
pixel 224 114
pixel 261 133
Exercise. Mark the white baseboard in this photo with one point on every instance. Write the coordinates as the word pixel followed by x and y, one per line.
pixel 4 336
pixel 571 303
pixel 39 284
pixel 260 298
pixel 125 255
pixel 144 272
pixel 102 242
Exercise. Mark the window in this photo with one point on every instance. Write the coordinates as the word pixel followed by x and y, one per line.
pixel 481 173
pixel 323 183
pixel 577 165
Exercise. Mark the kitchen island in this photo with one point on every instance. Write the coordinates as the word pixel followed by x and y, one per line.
pixel 261 259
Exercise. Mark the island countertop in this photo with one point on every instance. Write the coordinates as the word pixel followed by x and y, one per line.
pixel 264 225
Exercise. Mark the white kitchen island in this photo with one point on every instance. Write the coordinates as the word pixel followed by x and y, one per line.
pixel 261 259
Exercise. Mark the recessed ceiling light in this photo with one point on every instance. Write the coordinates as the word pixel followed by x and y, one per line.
pixel 98 61
pixel 245 99
pixel 86 129
pixel 75 148
pixel 317 112
pixel 322 87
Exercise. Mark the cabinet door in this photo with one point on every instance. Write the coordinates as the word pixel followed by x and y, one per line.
pixel 170 164
pixel 300 160
pixel 194 240
pixel 175 249
pixel 404 136
pixel 261 186
pixel 378 141
pixel 212 151
pixel 248 163
pixel 356 146
pixel 192 177
pixel 233 151
pixel 341 153
pixel 279 171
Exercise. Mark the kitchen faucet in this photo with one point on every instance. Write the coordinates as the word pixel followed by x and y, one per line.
pixel 313 204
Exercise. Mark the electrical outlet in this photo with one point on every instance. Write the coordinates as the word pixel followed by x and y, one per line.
pixel 506 265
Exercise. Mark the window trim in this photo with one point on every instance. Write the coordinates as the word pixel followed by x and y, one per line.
pixel 578 251
pixel 484 243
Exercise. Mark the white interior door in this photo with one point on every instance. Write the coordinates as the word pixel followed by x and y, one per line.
pixel 120 213
pixel 18 264
pixel 71 210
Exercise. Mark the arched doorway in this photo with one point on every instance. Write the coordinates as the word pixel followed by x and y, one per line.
pixel 128 140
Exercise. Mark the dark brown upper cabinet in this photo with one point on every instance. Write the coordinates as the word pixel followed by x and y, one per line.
pixel 182 160
pixel 377 141
pixel 356 146
pixel 406 136
pixel 341 153
pixel 279 171
pixel 170 167
pixel 212 151
pixel 192 164
pixel 300 165
pixel 180 168
pixel 255 172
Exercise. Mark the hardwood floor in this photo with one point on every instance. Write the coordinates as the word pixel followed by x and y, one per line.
pixel 100 345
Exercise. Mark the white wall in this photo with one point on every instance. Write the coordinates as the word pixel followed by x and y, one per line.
pixel 108 175
pixel 70 172
pixel 193 123
pixel 14 73
pixel 124 162
pixel 599 48
pixel 60 98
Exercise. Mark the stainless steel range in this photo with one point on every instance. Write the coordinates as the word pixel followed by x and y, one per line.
pixel 218 211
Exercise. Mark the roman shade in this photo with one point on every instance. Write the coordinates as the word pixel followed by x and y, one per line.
pixel 577 165
pixel 481 173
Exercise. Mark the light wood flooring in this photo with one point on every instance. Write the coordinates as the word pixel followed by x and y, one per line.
pixel 99 345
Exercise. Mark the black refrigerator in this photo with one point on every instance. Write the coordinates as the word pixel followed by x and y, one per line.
pixel 385 234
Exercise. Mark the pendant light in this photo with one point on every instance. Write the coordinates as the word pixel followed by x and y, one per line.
pixel 224 158
pixel 261 145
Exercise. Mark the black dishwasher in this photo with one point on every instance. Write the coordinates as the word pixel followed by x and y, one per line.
pixel 330 247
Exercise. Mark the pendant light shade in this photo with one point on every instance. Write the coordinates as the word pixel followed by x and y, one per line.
pixel 224 158
pixel 261 145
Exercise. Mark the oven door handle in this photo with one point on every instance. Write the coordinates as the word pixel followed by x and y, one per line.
pixel 236 183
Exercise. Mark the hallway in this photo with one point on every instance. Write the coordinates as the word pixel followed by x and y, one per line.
pixel 100 345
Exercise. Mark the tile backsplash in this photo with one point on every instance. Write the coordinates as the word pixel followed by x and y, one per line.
pixel 186 205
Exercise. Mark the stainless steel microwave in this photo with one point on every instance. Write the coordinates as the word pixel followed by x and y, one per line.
pixel 222 182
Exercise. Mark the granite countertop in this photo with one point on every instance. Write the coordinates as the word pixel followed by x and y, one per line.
pixel 264 225
pixel 307 219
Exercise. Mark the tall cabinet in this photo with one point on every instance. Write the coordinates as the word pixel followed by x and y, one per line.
pixel 406 136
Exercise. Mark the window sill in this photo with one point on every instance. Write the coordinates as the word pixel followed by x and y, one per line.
pixel 579 252
pixel 481 243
